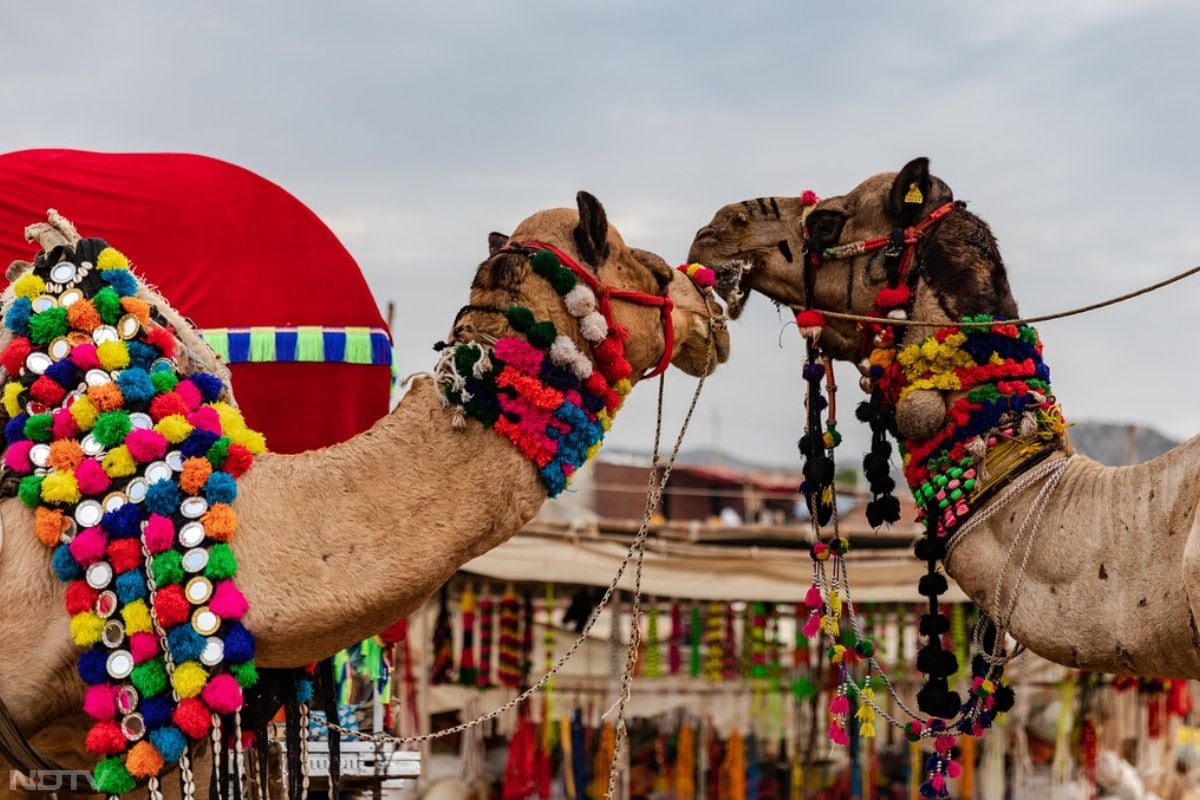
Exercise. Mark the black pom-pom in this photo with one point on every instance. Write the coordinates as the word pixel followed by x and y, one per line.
pixel 884 484
pixel 936 700
pixel 979 667
pixel 886 508
pixel 934 624
pixel 879 425
pixel 932 585
pixel 864 412
pixel 930 548
pixel 1005 697
pixel 929 658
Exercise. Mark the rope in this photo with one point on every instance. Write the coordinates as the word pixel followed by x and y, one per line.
pixel 1024 320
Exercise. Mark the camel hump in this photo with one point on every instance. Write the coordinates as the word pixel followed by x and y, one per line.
pixel 55 231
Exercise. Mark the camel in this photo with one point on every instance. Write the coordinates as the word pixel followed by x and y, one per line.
pixel 336 544
pixel 1112 580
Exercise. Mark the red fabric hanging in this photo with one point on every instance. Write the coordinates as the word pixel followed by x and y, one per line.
pixel 227 248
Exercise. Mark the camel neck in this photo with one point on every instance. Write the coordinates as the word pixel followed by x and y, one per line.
pixel 341 542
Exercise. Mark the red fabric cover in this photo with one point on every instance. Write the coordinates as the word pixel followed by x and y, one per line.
pixel 227 248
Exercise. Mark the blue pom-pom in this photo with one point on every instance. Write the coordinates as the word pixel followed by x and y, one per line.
pixel 239 643
pixel 197 443
pixel 162 497
pixel 64 373
pixel 142 355
pixel 156 711
pixel 220 488
pixel 92 666
pixel 552 475
pixel 124 523
pixel 14 430
pixel 304 690
pixel 64 564
pixel 18 315
pixel 135 385
pixel 169 741
pixel 184 643
pixel 210 386
pixel 131 586
pixel 122 281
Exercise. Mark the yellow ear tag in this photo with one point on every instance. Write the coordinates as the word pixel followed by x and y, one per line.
pixel 914 195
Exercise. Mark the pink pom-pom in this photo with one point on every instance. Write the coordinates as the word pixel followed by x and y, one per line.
pixel 813 625
pixel 16 457
pixel 809 198
pixel 159 533
pixel 146 445
pixel 228 602
pixel 937 782
pixel 813 598
pixel 222 694
pixel 943 744
pixel 88 545
pixel 839 705
pixel 100 702
pixel 63 425
pixel 84 356
pixel 519 354
pixel 954 769
pixel 838 735
pixel 206 418
pixel 143 646
pixel 190 395
pixel 91 477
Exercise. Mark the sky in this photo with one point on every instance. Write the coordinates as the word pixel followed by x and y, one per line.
pixel 414 129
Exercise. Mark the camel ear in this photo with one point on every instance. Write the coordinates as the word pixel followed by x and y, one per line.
pixel 910 194
pixel 16 269
pixel 591 234
pixel 495 242
pixel 660 269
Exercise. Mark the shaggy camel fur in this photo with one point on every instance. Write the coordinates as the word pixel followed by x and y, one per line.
pixel 336 544
pixel 1113 579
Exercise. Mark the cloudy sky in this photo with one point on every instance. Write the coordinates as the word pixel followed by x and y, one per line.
pixel 413 129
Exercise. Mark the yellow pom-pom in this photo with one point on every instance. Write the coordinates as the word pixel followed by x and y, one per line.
pixel 605 418
pixel 113 355
pixel 86 627
pixel 84 413
pixel 591 452
pixel 12 398
pixel 29 285
pixel 189 678
pixel 136 616
pixel 866 730
pixel 111 258
pixel 253 441
pixel 119 462
pixel 174 428
pixel 231 419
pixel 623 387
pixel 61 487
pixel 144 760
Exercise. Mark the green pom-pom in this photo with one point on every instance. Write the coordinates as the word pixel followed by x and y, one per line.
pixel 39 428
pixel 163 380
pixel 519 317
pixel 108 303
pixel 563 280
pixel 545 263
pixel 149 677
pixel 542 334
pixel 245 673
pixel 465 359
pixel 218 452
pixel 111 428
pixel 167 568
pixel 487 414
pixel 30 490
pixel 48 325
pixel 221 563
pixel 803 689
pixel 111 778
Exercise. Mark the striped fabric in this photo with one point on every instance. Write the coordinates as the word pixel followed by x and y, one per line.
pixel 349 345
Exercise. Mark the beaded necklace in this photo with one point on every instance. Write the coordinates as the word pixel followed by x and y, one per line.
pixel 131 468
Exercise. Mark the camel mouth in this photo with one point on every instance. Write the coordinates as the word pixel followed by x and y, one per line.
pixel 732 279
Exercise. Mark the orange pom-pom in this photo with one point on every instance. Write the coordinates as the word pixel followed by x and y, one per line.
pixel 220 522
pixel 83 316
pixel 144 760
pixel 139 308
pixel 65 454
pixel 106 397
pixel 195 473
pixel 48 525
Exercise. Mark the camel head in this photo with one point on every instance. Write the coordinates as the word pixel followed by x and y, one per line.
pixel 959 271
pixel 507 278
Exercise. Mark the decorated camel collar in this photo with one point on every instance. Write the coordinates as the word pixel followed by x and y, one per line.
pixel 131 470
pixel 536 388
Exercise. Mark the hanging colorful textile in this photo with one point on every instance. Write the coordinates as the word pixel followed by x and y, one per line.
pixel 131 468
pixel 695 632
pixel 509 670
pixel 714 651
pixel 443 641
pixel 685 763
pixel 487 620
pixel 675 645
pixel 653 656
pixel 467 671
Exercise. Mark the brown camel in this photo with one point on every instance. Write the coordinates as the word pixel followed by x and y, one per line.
pixel 335 544
pixel 1112 581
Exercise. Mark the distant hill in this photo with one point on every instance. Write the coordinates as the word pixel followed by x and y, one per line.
pixel 1115 444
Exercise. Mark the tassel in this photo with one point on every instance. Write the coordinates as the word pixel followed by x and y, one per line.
pixel 810 322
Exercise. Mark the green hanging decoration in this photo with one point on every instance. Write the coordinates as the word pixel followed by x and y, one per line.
pixel 653 658
pixel 694 634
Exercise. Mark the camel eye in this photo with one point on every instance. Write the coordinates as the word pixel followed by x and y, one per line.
pixel 824 227
pixel 740 219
